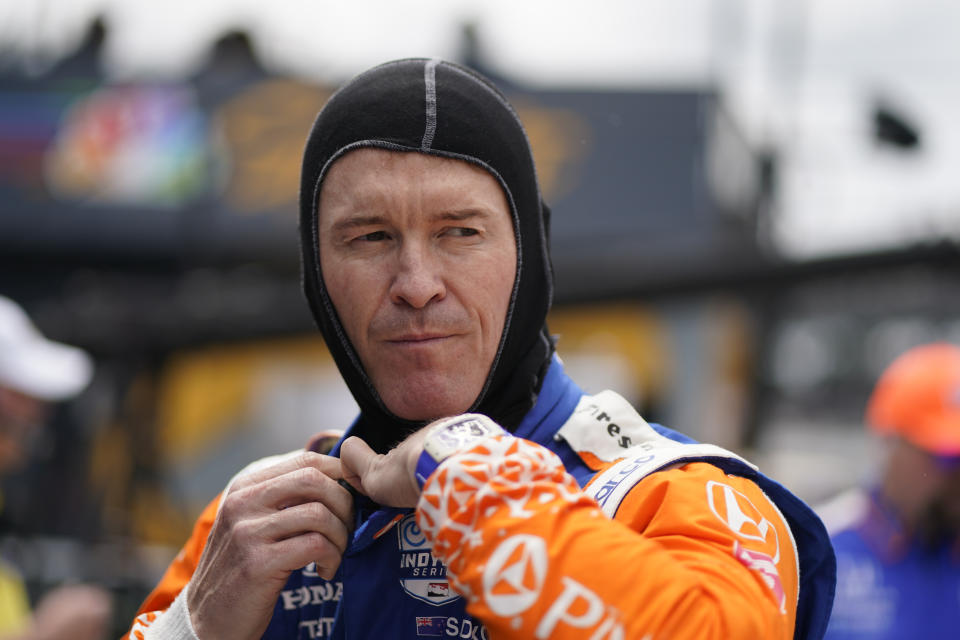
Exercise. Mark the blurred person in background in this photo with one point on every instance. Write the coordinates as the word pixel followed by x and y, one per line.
pixel 35 372
pixel 898 543
pixel 543 512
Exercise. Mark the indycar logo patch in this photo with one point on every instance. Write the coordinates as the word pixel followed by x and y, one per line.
pixel 421 574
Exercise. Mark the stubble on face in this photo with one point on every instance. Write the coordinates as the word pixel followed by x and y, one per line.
pixel 418 255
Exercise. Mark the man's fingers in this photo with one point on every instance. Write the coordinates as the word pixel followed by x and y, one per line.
pixel 327 465
pixel 356 458
pixel 305 518
pixel 274 519
pixel 300 486
pixel 387 479
pixel 310 547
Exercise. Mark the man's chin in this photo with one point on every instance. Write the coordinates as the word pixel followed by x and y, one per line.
pixel 426 404
pixel 424 413
pixel 940 525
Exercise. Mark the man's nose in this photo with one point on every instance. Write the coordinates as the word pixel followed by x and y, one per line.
pixel 419 277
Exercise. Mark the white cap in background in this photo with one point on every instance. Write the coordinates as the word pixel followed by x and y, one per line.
pixel 34 365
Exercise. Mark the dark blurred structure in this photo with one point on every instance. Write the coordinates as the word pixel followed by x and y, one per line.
pixel 890 127
pixel 145 220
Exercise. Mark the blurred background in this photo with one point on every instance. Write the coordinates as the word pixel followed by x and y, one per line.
pixel 755 207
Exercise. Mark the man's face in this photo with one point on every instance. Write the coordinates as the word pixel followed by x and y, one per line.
pixel 21 417
pixel 928 487
pixel 419 257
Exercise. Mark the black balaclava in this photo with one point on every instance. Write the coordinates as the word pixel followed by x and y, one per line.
pixel 446 110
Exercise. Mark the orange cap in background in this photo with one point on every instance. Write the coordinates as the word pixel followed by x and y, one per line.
pixel 918 398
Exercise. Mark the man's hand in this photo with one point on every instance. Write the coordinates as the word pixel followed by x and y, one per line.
pixel 387 479
pixel 80 612
pixel 271 522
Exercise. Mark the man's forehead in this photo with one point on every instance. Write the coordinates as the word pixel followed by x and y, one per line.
pixel 370 175
pixel 375 159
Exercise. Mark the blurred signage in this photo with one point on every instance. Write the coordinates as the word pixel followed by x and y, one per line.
pixel 209 168
pixel 131 145
pixel 561 141
pixel 264 128
pixel 28 123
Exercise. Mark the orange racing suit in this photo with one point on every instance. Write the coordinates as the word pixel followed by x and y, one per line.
pixel 602 528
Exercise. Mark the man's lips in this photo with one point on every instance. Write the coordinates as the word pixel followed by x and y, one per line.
pixel 418 338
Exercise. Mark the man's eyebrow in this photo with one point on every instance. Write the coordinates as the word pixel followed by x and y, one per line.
pixel 464 214
pixel 354 222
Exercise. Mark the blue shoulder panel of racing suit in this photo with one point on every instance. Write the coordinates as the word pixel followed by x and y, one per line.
pixel 389 584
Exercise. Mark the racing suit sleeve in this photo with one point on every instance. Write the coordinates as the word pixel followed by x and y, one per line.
pixel 157 616
pixel 690 553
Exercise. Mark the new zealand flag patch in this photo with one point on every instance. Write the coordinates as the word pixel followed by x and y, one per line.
pixel 430 626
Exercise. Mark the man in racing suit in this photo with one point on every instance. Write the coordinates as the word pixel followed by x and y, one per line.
pixel 898 542
pixel 541 513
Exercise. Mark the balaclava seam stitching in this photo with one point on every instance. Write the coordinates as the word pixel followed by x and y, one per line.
pixel 531 278
pixel 430 97
pixel 509 107
pixel 328 303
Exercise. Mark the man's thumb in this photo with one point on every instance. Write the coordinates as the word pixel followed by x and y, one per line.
pixel 356 458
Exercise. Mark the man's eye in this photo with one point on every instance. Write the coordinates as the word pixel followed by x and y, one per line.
pixel 374 236
pixel 463 232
